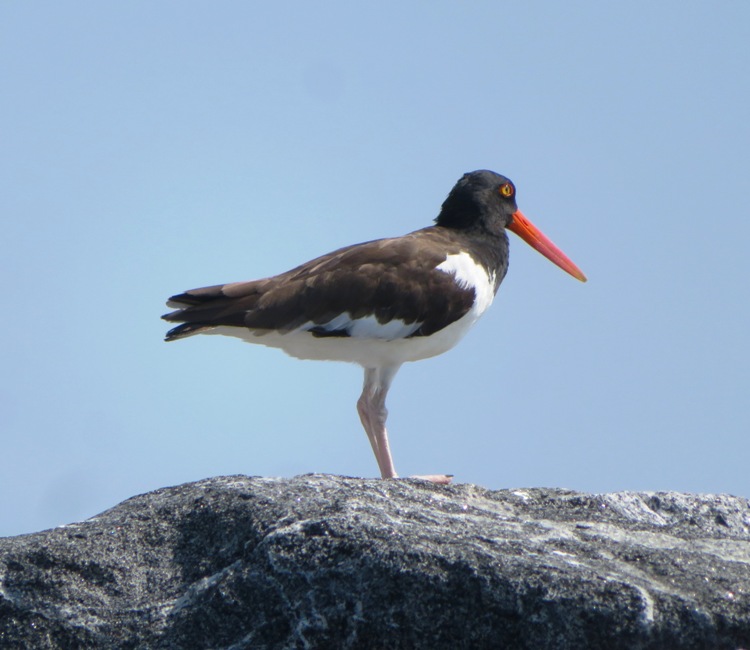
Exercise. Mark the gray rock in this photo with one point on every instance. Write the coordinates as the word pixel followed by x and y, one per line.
pixel 331 562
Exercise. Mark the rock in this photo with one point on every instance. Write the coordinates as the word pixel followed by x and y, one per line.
pixel 331 562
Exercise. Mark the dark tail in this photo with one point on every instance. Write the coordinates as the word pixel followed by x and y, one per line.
pixel 184 330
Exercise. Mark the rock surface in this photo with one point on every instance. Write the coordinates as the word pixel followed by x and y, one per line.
pixel 331 562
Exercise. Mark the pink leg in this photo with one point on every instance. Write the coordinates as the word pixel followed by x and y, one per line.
pixel 373 414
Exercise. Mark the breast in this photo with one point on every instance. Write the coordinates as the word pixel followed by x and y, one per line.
pixel 469 274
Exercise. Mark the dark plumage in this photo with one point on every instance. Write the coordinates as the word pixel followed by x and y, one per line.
pixel 382 302
pixel 390 278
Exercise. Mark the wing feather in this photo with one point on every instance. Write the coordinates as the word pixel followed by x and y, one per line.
pixel 392 283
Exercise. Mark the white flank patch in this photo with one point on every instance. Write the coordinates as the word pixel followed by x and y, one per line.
pixel 367 327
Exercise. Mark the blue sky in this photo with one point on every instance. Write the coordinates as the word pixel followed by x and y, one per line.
pixel 152 147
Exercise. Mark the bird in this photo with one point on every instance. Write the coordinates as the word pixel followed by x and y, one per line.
pixel 381 303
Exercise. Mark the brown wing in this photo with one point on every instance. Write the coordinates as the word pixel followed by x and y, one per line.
pixel 388 278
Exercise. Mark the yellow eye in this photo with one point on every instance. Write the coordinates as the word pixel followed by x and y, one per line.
pixel 506 190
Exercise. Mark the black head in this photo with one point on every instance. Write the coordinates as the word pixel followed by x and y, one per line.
pixel 485 202
pixel 482 200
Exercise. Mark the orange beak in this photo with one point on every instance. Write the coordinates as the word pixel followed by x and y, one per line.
pixel 536 239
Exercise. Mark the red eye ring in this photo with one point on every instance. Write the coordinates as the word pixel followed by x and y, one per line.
pixel 506 190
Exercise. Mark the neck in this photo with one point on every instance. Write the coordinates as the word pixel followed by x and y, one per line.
pixel 490 249
pixel 461 213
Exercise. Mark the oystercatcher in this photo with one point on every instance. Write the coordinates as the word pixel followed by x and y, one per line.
pixel 380 303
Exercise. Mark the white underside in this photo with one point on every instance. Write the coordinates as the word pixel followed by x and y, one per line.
pixel 372 344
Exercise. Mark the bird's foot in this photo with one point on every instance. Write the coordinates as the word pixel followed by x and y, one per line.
pixel 440 479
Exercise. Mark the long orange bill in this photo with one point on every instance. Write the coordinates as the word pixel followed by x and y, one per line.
pixel 536 239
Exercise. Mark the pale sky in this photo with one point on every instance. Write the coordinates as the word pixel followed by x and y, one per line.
pixel 153 147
